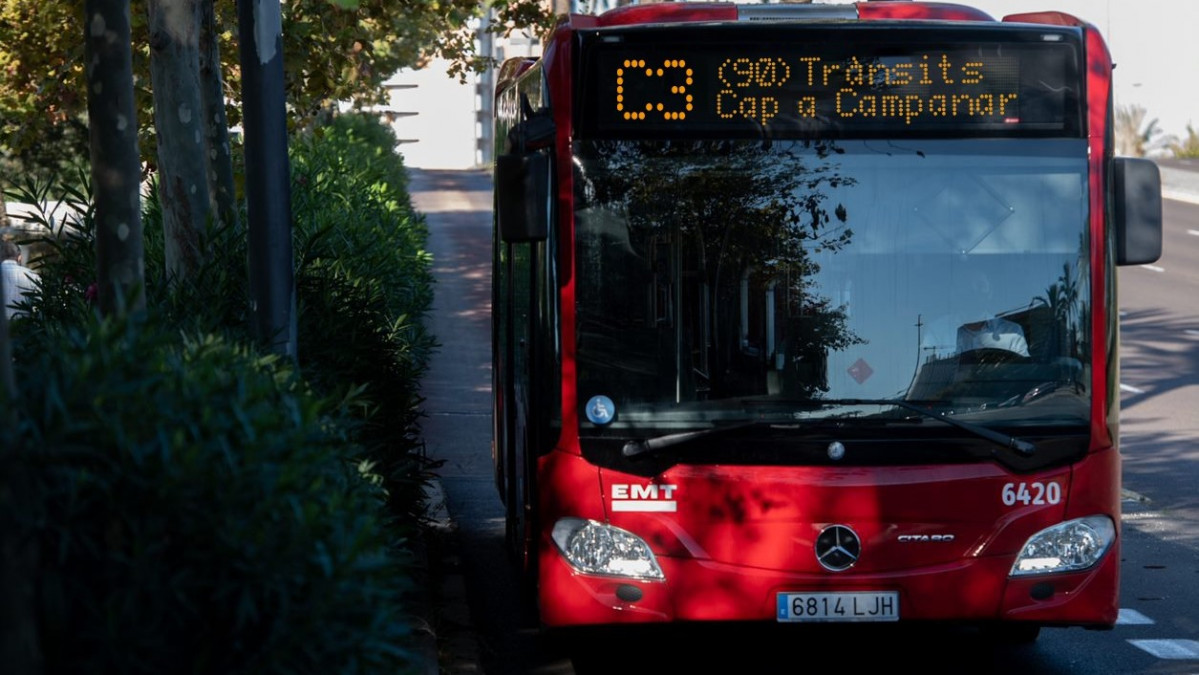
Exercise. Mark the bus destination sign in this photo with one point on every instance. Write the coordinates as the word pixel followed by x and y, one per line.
pixel 847 87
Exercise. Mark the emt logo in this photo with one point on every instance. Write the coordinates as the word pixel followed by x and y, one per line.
pixel 655 498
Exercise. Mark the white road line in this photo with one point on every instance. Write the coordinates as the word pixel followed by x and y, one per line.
pixel 1169 649
pixel 1194 232
pixel 1131 617
pixel 1131 389
pixel 1153 268
pixel 1130 496
pixel 1179 196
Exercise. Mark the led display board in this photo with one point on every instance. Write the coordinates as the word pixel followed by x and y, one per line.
pixel 839 81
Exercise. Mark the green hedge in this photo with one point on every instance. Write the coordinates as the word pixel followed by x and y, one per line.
pixel 197 506
pixel 364 286
pixel 198 512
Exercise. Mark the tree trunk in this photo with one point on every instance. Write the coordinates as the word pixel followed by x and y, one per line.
pixel 116 164
pixel 216 123
pixel 179 131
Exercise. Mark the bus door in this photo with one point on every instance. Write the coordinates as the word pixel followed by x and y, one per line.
pixel 525 348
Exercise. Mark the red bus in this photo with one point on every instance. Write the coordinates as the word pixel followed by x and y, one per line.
pixel 807 313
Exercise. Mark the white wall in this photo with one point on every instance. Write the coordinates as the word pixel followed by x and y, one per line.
pixel 438 115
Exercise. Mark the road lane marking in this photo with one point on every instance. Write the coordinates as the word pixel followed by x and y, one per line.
pixel 1131 617
pixel 1179 196
pixel 1194 232
pixel 1169 649
pixel 1153 268
pixel 1130 496
pixel 1131 389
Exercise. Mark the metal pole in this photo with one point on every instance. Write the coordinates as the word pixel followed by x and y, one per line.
pixel 268 175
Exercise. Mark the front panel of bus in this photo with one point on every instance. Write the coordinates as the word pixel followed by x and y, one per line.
pixel 831 356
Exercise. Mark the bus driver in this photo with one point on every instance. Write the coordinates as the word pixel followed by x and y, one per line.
pixel 972 325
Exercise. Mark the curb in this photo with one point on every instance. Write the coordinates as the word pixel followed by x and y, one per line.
pixel 424 621
pixel 447 641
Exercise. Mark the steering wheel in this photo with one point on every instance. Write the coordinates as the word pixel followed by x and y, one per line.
pixel 1031 395
pixel 990 356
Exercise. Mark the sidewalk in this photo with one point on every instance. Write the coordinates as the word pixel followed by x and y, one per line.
pixel 456 427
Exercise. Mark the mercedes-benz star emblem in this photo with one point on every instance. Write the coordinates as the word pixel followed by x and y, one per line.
pixel 838 548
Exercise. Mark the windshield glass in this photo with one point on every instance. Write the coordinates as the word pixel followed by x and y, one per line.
pixel 724 280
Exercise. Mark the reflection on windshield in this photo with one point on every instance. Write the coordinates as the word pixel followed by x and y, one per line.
pixel 947 271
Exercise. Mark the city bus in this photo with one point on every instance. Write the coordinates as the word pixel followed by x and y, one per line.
pixel 806 313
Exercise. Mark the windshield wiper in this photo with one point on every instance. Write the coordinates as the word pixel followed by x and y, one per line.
pixel 1022 447
pixel 636 447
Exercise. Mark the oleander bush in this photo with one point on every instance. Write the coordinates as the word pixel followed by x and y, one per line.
pixel 364 284
pixel 199 509
pixel 194 504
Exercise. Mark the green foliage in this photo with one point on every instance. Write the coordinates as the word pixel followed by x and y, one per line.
pixel 214 300
pixel 352 210
pixel 333 50
pixel 200 507
pixel 364 283
pixel 61 239
pixel 198 510
pixel 531 18
pixel 215 297
pixel 1137 136
pixel 1188 148
pixel 42 97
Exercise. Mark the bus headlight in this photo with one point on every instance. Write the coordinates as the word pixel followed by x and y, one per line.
pixel 1067 547
pixel 595 548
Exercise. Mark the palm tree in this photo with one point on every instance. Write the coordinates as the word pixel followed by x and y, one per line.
pixel 1188 147
pixel 1061 298
pixel 1135 136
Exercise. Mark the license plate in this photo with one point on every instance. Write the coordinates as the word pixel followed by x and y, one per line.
pixel 854 606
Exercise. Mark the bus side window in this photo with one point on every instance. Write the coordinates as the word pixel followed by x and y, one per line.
pixel 523 187
pixel 523 176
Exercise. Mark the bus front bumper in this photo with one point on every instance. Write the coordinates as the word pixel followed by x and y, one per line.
pixel 975 590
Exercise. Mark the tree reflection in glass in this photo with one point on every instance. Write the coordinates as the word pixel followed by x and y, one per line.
pixel 704 259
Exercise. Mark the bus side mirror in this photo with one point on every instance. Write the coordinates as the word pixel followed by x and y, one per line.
pixel 1137 216
pixel 522 187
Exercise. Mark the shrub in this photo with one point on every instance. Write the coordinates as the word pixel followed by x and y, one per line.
pixel 198 506
pixel 364 285
pixel 198 510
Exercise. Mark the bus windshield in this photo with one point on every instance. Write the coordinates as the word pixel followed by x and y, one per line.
pixel 717 279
